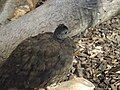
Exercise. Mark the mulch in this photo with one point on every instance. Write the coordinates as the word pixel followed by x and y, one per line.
pixel 98 52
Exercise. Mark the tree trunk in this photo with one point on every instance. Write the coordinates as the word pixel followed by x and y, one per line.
pixel 76 14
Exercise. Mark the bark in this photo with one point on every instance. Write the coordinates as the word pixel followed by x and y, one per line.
pixel 76 14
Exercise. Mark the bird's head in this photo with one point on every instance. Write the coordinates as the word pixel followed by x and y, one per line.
pixel 61 32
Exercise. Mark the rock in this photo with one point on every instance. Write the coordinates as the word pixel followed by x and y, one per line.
pixel 74 84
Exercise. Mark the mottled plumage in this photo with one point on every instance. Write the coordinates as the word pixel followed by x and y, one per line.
pixel 37 62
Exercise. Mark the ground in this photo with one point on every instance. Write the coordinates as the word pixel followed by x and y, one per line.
pixel 98 51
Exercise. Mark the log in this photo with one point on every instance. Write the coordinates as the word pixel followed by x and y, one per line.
pixel 78 15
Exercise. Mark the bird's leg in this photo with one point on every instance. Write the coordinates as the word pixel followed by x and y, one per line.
pixel 78 70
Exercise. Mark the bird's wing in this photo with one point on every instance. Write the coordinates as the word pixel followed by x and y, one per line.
pixel 29 61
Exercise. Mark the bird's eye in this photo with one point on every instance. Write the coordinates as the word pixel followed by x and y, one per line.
pixel 66 32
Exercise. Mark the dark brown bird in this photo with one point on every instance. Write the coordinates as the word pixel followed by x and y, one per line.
pixel 38 61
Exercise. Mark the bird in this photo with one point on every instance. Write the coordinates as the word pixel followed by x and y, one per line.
pixel 39 61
